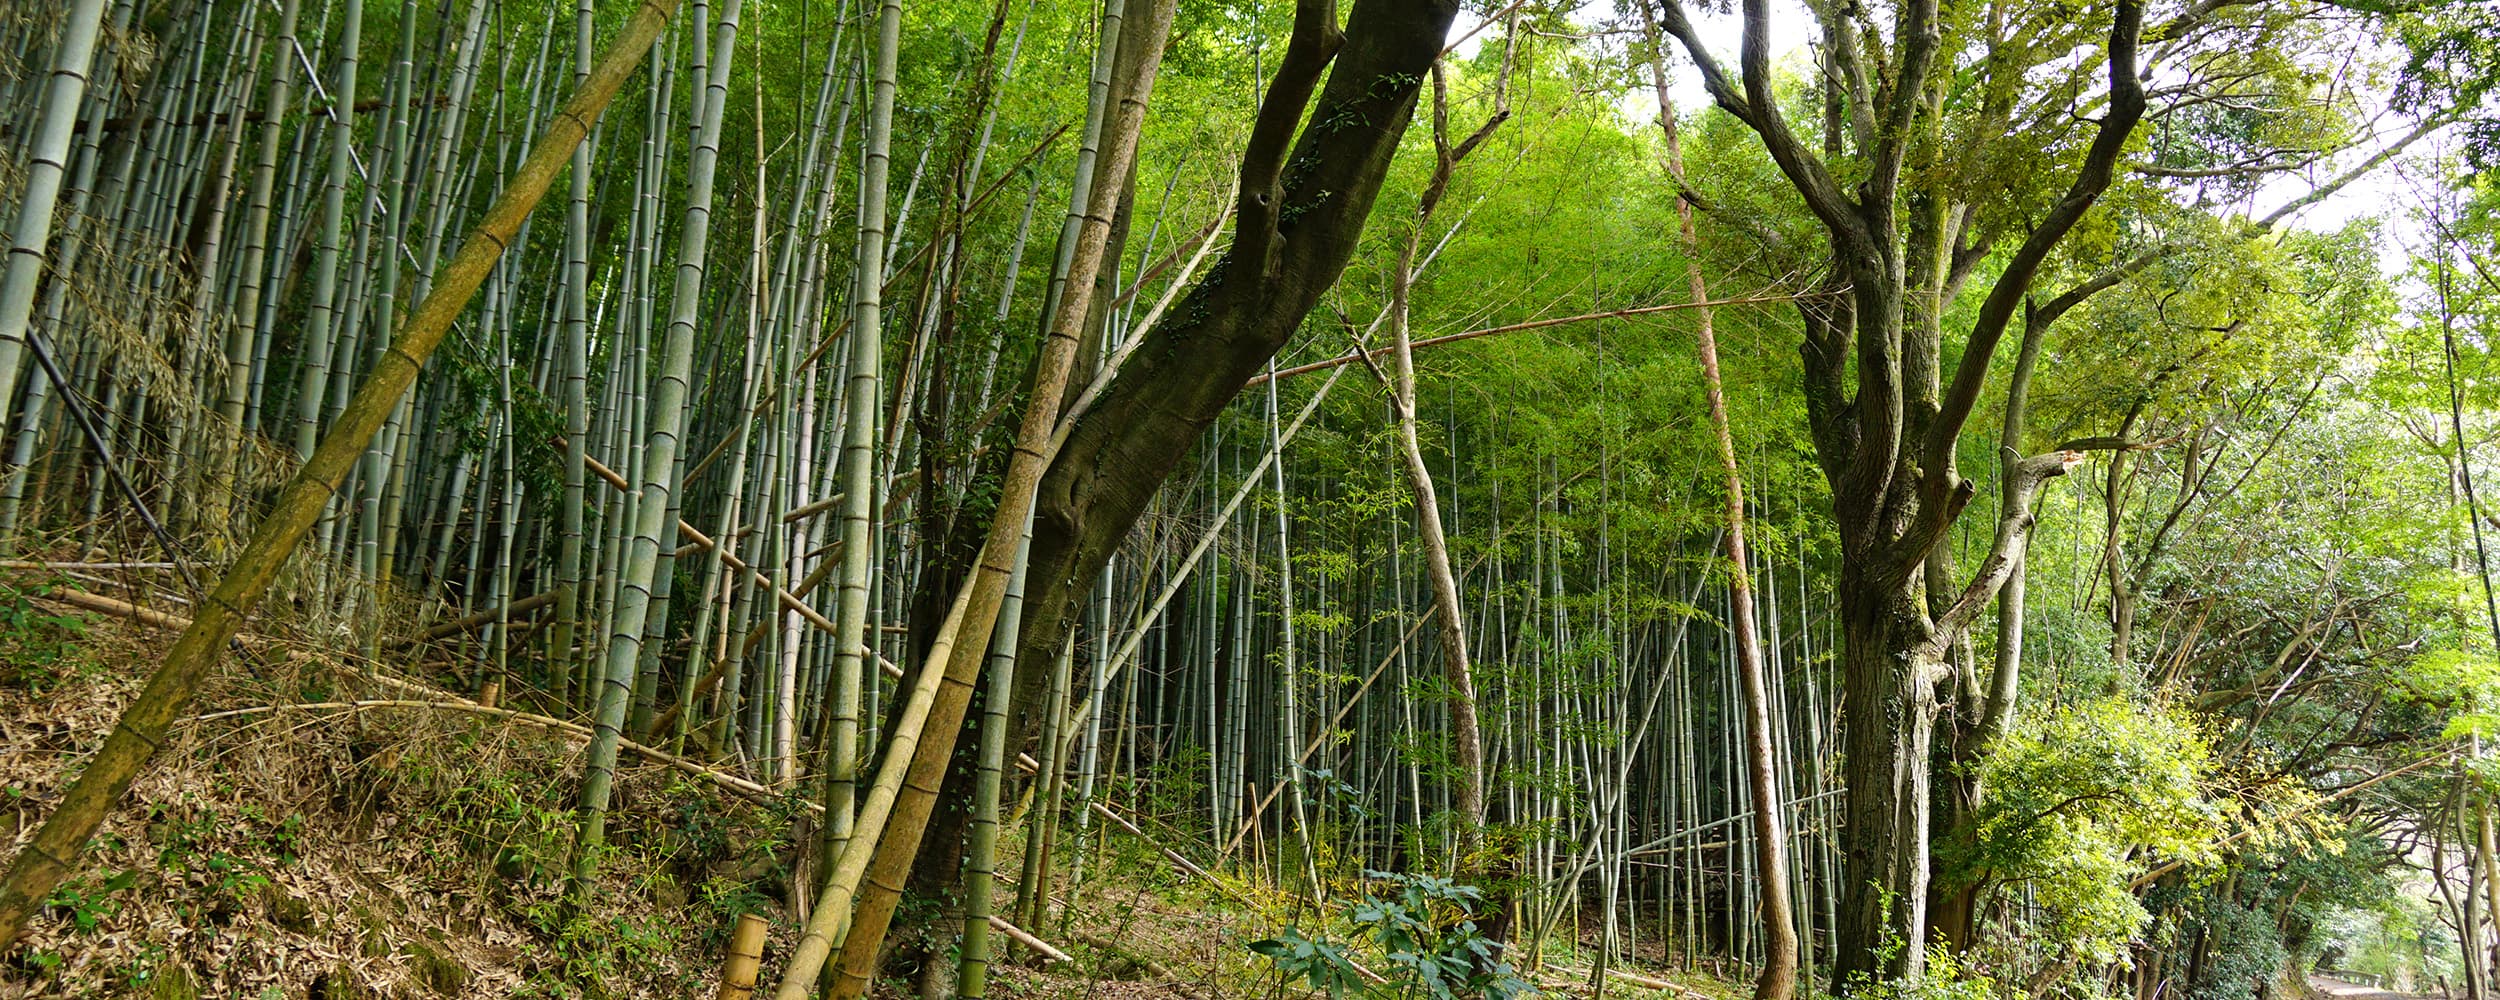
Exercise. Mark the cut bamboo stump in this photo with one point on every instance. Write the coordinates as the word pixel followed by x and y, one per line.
pixel 746 957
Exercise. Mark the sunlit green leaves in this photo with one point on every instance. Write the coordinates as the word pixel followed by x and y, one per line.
pixel 2083 799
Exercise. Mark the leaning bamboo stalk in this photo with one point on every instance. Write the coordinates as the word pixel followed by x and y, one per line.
pixel 962 654
pixel 889 844
pixel 141 732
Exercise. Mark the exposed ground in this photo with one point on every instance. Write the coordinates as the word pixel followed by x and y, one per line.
pixel 400 851
pixel 2337 989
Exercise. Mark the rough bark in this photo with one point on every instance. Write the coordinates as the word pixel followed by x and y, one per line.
pixel 1300 214
pixel 1304 197
pixel 1886 421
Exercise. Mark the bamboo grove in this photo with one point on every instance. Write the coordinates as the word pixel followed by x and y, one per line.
pixel 1936 484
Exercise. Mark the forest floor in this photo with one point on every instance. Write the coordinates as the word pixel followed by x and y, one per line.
pixel 287 846
pixel 2331 988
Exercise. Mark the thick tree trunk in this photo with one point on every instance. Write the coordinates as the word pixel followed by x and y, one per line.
pixel 1296 232
pixel 1889 665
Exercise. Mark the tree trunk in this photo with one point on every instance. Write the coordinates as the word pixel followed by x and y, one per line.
pixel 1889 665
pixel 1778 978
pixel 1119 452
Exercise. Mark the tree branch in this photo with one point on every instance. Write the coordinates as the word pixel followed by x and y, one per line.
pixel 1312 45
pixel 1919 36
pixel 2126 108
pixel 2024 477
pixel 1759 110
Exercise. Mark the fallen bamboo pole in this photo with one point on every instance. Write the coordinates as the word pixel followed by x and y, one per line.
pixel 781 594
pixel 727 781
pixel 1020 936
pixel 91 566
pixel 1366 356
pixel 507 614
pixel 124 609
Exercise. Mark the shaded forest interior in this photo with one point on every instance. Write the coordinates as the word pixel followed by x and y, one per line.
pixel 1943 499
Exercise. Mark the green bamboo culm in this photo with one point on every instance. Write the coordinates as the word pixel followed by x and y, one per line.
pixel 640 591
pixel 972 974
pixel 963 643
pixel 48 858
pixel 322 317
pixel 70 62
pixel 576 379
pixel 854 652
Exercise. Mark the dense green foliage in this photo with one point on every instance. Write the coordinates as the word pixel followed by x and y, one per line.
pixel 2261 661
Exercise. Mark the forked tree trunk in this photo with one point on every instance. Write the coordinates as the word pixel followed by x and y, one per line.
pixel 1886 428
pixel 1466 740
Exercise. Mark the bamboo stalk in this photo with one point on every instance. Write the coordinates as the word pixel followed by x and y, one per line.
pixel 955 657
pixel 853 642
pixel 48 160
pixel 746 956
pixel 49 856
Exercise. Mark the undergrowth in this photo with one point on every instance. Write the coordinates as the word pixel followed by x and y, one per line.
pixel 332 855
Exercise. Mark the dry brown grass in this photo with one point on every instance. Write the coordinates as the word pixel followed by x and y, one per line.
pixel 410 853
pixel 375 854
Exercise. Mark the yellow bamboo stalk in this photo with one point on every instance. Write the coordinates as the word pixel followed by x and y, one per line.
pixel 887 834
pixel 746 955
pixel 963 651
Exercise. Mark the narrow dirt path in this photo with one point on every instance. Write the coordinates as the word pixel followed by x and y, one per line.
pixel 2337 989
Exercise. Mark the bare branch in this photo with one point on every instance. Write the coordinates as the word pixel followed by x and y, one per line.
pixel 2024 477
